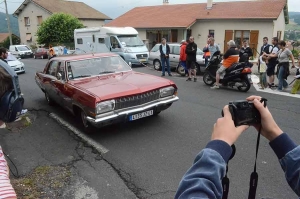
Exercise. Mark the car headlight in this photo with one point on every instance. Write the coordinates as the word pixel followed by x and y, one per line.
pixel 21 53
pixel 127 50
pixel 106 106
pixel 166 92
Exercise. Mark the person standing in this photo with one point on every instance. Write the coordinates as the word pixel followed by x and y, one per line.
pixel 262 72
pixel 206 55
pixel 283 55
pixel 245 49
pixel 3 54
pixel 51 52
pixel 191 51
pixel 164 49
pixel 213 47
pixel 182 58
pixel 272 62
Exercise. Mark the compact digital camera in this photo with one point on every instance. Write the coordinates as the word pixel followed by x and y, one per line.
pixel 244 113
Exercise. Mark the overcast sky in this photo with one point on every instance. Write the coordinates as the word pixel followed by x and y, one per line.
pixel 117 7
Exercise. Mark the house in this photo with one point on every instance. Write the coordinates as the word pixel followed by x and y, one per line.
pixel 4 36
pixel 31 14
pixel 239 20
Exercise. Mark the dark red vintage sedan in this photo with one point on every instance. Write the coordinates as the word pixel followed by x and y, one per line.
pixel 102 89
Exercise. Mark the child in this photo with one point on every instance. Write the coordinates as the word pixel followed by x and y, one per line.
pixel 262 72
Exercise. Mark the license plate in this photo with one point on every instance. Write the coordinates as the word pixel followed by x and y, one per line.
pixel 143 60
pixel 141 115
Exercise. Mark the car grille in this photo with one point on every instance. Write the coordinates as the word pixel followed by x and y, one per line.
pixel 141 56
pixel 135 100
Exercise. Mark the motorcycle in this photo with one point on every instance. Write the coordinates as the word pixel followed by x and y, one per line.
pixel 237 75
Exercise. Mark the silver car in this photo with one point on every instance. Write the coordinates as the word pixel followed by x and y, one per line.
pixel 154 57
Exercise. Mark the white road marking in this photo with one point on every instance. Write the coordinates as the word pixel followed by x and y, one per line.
pixel 89 141
pixel 255 80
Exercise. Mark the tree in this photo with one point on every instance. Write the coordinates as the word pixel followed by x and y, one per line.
pixel 58 28
pixel 15 40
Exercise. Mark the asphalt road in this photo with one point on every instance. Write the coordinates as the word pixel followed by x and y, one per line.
pixel 153 154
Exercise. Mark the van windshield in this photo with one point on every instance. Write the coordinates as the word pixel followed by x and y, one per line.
pixel 23 48
pixel 131 40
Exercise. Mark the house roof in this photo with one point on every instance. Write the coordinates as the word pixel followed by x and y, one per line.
pixel 185 15
pixel 4 36
pixel 77 9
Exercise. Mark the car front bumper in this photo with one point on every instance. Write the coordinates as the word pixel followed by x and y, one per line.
pixel 19 69
pixel 123 115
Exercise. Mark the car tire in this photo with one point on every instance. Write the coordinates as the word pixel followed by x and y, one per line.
pixel 48 99
pixel 34 56
pixel 181 71
pixel 157 65
pixel 81 117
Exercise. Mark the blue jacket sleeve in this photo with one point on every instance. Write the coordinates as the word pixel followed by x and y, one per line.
pixel 204 178
pixel 288 154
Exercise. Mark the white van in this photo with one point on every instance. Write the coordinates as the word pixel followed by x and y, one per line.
pixel 20 51
pixel 121 40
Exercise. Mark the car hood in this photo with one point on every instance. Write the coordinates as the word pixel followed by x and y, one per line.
pixel 137 49
pixel 120 84
pixel 14 63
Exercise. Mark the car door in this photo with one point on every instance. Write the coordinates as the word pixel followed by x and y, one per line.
pixel 50 78
pixel 38 53
pixel 174 56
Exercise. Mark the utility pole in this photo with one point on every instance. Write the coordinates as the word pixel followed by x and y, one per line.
pixel 8 23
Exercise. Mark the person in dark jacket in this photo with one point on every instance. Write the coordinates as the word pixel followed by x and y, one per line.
pixel 204 178
pixel 3 54
pixel 245 49
pixel 164 49
pixel 191 52
pixel 265 48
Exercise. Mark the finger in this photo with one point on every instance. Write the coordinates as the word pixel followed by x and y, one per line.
pixel 251 98
pixel 226 112
pixel 241 129
pixel 259 106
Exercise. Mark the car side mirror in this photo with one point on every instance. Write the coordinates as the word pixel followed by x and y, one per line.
pixel 59 76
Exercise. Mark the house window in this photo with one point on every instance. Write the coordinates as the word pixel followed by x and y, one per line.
pixel 279 35
pixel 211 33
pixel 27 21
pixel 39 20
pixel 240 36
pixel 101 40
pixel 28 37
pixel 79 41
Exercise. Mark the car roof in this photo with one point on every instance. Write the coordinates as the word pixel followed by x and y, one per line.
pixel 84 56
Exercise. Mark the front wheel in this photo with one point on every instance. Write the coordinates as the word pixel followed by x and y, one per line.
pixel 181 70
pixel 157 65
pixel 208 80
pixel 82 118
pixel 246 85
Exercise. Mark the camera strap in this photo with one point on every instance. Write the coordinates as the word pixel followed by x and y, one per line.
pixel 225 180
pixel 254 175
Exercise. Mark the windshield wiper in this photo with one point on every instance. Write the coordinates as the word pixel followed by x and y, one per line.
pixel 105 72
pixel 80 76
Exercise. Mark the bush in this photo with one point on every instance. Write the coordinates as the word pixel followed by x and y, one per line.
pixel 296 53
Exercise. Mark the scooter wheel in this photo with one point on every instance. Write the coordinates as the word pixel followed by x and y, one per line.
pixel 208 80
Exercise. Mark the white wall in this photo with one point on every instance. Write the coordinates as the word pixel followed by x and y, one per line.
pixel 31 11
pixel 279 25
pixel 142 33
pixel 202 27
pixel 92 23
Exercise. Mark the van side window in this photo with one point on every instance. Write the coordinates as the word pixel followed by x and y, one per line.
pixel 155 48
pixel 114 42
pixel 101 40
pixel 79 41
pixel 176 50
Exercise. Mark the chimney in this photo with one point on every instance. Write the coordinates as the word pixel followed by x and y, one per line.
pixel 165 2
pixel 209 4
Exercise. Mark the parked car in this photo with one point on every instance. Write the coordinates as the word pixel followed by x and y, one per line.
pixel 41 53
pixel 102 89
pixel 21 51
pixel 15 63
pixel 154 57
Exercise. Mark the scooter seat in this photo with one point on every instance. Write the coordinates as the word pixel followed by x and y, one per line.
pixel 234 67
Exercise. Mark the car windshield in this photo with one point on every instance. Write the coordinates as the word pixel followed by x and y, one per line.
pixel 11 57
pixel 23 48
pixel 131 40
pixel 96 66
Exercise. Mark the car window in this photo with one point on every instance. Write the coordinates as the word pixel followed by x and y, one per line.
pixel 199 51
pixel 155 48
pixel 61 70
pixel 52 68
pixel 176 50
